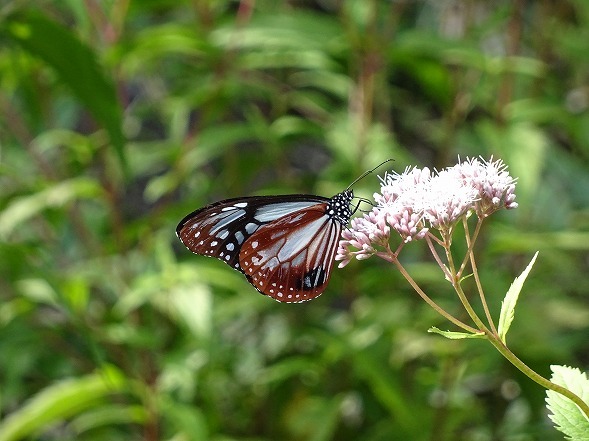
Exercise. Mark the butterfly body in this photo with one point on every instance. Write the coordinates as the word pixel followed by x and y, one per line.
pixel 284 245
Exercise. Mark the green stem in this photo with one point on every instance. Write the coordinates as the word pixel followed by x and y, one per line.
pixel 533 375
pixel 469 309
pixel 390 257
pixel 436 256
pixel 461 295
pixel 470 242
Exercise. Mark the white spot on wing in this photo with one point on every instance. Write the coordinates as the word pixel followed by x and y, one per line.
pixel 240 205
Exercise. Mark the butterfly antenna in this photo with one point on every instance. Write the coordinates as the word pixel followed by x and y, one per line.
pixel 366 173
pixel 360 200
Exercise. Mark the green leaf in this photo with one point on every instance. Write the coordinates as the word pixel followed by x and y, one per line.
pixel 508 304
pixel 189 421
pixel 456 335
pixel 59 401
pixel 315 418
pixel 193 306
pixel 387 390
pixel 77 67
pixel 566 415
pixel 109 415
pixel 25 207
pixel 38 290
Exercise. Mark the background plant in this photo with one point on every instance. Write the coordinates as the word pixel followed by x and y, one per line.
pixel 120 117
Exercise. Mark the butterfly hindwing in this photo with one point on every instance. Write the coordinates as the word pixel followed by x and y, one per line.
pixel 291 259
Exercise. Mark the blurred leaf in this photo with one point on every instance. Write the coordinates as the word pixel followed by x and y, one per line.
pixel 108 415
pixel 417 55
pixel 292 126
pixel 59 401
pixel 160 186
pixel 296 30
pixel 38 290
pixel 157 41
pixel 11 309
pixel 534 110
pixel 566 415
pixel 335 83
pixel 215 140
pixel 314 418
pixel 76 292
pixel 510 301
pixel 76 65
pixel 189 421
pixel 386 389
pixel 282 370
pixel 193 306
pixel 57 195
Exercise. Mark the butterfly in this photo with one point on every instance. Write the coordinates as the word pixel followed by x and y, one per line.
pixel 284 245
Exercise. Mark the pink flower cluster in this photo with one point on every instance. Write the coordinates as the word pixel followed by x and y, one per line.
pixel 417 200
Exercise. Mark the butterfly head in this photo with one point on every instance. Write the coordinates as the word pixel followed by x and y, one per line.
pixel 339 206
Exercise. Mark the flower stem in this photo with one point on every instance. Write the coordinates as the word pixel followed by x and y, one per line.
pixel 455 280
pixel 533 375
pixel 470 242
pixel 469 309
pixel 436 256
pixel 390 257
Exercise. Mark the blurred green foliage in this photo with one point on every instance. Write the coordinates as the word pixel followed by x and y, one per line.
pixel 118 118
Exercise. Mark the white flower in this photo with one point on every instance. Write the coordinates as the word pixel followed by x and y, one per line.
pixel 417 200
pixel 496 188
pixel 446 199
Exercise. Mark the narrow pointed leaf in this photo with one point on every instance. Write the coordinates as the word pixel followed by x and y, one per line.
pixel 57 195
pixel 508 304
pixel 59 401
pixel 455 335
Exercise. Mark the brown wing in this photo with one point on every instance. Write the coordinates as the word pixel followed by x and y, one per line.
pixel 290 259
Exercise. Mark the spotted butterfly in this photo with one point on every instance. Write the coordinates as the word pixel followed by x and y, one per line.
pixel 284 245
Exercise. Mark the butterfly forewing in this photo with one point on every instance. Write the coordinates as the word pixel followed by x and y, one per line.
pixel 220 229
